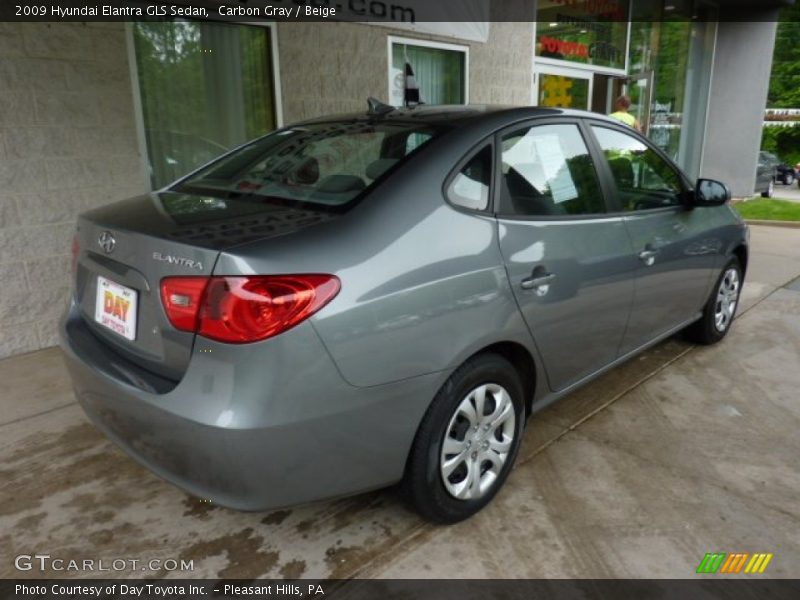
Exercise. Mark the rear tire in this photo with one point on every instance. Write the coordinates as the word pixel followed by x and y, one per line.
pixel 467 442
pixel 720 309
pixel 788 179
pixel 770 191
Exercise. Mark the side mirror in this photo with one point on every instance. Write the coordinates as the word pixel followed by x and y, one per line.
pixel 709 192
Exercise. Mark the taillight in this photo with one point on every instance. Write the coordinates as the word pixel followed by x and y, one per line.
pixel 181 297
pixel 239 310
pixel 76 250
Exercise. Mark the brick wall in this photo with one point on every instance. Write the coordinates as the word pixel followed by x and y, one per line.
pixel 67 143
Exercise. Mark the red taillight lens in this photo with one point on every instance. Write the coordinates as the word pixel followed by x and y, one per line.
pixel 76 250
pixel 239 310
pixel 181 297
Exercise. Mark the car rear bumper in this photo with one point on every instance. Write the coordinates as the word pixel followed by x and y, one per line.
pixel 250 427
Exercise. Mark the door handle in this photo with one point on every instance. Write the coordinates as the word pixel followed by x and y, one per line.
pixel 537 282
pixel 648 256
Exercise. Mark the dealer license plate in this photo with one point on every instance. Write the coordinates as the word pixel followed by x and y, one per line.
pixel 115 308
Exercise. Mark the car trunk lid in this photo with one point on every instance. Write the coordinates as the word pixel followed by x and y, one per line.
pixel 126 249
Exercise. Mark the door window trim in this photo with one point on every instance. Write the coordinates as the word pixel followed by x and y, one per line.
pixel 499 209
pixel 604 170
pixel 462 162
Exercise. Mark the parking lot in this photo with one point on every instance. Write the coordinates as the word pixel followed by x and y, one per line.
pixel 788 192
pixel 682 451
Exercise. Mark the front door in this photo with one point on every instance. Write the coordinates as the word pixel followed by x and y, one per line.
pixel 568 261
pixel 676 254
pixel 563 87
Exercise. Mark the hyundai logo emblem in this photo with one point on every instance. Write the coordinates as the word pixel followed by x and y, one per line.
pixel 107 242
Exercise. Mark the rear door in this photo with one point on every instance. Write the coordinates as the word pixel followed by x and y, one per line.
pixel 675 247
pixel 568 261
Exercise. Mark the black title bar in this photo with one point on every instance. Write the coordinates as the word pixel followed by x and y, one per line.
pixel 385 11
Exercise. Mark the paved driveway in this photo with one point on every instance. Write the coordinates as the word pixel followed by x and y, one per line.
pixel 788 192
pixel 680 452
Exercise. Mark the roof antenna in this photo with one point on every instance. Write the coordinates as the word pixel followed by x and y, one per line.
pixel 376 107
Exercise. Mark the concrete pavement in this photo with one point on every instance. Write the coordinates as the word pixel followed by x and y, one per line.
pixel 679 452
pixel 788 192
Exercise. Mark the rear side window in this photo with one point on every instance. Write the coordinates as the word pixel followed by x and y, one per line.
pixel 643 178
pixel 325 164
pixel 548 171
pixel 470 187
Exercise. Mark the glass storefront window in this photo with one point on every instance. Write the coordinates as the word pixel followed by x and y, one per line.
pixel 205 88
pixel 593 32
pixel 661 48
pixel 563 91
pixel 440 72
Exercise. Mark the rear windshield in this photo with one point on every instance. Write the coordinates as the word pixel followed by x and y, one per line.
pixel 323 164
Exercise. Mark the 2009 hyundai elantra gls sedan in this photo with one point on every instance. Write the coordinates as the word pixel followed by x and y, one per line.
pixel 360 300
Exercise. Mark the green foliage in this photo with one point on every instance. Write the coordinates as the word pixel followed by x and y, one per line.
pixel 769 209
pixel 784 142
pixel 784 85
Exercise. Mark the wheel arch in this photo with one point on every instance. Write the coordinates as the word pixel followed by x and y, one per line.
pixel 742 253
pixel 522 360
pixel 515 353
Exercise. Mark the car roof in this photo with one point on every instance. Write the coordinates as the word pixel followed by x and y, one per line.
pixel 460 114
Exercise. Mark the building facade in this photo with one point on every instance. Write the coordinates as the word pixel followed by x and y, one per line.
pixel 95 112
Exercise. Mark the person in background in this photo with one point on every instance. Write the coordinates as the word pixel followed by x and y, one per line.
pixel 622 115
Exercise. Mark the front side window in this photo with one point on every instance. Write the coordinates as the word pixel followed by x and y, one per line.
pixel 548 171
pixel 440 72
pixel 470 187
pixel 643 178
pixel 319 164
pixel 204 88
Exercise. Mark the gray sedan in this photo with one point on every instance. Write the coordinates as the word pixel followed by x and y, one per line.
pixel 361 300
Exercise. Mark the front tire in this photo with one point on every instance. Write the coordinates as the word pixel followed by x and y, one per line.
pixel 467 441
pixel 770 191
pixel 720 309
pixel 788 179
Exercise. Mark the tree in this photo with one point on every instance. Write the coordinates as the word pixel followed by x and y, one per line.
pixel 784 85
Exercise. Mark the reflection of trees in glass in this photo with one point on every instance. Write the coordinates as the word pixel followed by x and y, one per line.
pixel 204 87
pixel 662 47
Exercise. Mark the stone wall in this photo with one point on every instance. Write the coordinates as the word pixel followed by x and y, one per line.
pixel 68 138
pixel 333 67
pixel 67 143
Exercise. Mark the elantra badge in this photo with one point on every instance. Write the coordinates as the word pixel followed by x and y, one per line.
pixel 178 260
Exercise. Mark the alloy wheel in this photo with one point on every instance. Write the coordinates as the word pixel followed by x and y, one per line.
pixel 727 299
